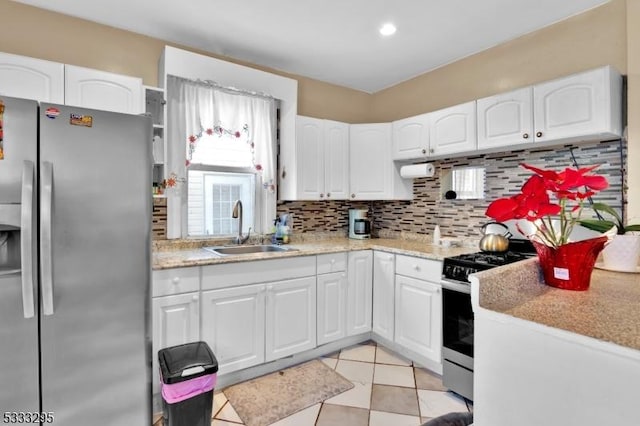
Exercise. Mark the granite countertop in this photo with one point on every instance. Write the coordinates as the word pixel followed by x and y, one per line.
pixel 189 253
pixel 609 310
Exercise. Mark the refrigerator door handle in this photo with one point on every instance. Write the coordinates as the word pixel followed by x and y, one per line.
pixel 45 238
pixel 26 239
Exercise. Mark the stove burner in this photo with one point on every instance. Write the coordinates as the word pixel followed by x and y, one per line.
pixel 496 259
pixel 459 268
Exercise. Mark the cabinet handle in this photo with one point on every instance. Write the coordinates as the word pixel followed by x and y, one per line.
pixel 175 280
pixel 269 287
pixel 539 134
pixel 525 136
pixel 353 195
pixel 431 151
pixel 328 194
pixel 424 151
pixel 416 267
pixel 390 257
pixel 344 276
pixel 284 172
pixel 438 290
pixel 333 261
pixel 194 297
pixel 321 195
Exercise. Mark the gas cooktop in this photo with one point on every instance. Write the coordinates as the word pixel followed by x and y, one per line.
pixel 458 268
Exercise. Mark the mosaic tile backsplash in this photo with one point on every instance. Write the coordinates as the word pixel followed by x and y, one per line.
pixel 463 218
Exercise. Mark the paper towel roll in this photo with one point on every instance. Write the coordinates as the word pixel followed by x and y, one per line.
pixel 417 171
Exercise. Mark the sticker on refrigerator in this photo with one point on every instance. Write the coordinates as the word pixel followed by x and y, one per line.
pixel 81 120
pixel 52 112
pixel 1 130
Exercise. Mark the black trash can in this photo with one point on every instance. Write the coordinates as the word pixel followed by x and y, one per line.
pixel 188 377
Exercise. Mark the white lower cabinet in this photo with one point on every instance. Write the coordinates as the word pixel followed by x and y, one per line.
pixel 233 326
pixel 383 294
pixel 176 320
pixel 332 303
pixel 290 317
pixel 359 292
pixel 255 312
pixel 418 316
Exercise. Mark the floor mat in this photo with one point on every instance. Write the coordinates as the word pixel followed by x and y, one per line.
pixel 267 399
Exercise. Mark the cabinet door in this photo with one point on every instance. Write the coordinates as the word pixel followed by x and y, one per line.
pixel 310 158
pixel 30 78
pixel 505 119
pixel 359 292
pixel 418 316
pixel 370 165
pixel 96 89
pixel 233 326
pixel 290 317
pixel 336 160
pixel 332 307
pixel 411 138
pixel 579 106
pixel 383 293
pixel 453 129
pixel 176 320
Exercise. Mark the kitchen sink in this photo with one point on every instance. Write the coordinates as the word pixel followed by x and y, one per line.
pixel 237 250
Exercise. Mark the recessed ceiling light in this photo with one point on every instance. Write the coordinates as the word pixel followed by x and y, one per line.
pixel 387 29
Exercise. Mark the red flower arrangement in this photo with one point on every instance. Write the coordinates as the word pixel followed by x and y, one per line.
pixel 569 189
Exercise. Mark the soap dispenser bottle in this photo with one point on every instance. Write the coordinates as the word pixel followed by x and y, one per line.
pixel 436 235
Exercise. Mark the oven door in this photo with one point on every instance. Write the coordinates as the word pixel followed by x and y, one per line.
pixel 457 327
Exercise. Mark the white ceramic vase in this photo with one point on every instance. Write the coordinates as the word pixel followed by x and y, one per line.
pixel 622 253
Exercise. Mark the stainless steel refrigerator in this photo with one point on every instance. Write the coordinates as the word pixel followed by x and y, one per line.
pixel 75 229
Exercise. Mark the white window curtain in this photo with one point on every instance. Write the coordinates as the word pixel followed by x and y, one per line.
pixel 195 108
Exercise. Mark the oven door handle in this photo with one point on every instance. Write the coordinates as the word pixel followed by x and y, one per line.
pixel 456 286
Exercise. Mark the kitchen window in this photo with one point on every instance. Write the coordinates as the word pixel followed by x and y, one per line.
pixel 228 141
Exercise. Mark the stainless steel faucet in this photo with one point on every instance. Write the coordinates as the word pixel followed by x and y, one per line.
pixel 237 214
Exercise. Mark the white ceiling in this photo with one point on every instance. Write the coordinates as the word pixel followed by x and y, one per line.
pixel 331 40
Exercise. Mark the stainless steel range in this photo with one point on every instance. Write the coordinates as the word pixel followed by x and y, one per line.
pixel 457 315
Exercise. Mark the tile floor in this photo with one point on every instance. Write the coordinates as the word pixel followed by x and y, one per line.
pixel 388 390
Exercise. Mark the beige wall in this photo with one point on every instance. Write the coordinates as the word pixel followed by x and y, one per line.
pixel 29 31
pixel 594 38
pixel 609 34
pixel 633 111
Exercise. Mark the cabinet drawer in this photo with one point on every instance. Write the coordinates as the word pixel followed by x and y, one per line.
pixel 332 262
pixel 259 271
pixel 175 281
pixel 422 269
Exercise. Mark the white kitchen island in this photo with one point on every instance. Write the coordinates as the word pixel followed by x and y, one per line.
pixel 545 356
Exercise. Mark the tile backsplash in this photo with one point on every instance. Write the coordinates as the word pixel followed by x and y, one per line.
pixel 463 218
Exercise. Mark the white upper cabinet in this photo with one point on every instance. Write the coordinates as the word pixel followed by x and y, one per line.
pixel 322 159
pixel 372 173
pixel 369 171
pixel 30 78
pixel 309 140
pixel 453 129
pixel 89 88
pixel 505 119
pixel 585 106
pixel 411 138
pixel 336 160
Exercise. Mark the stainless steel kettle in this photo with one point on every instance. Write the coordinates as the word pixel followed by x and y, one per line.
pixel 495 237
